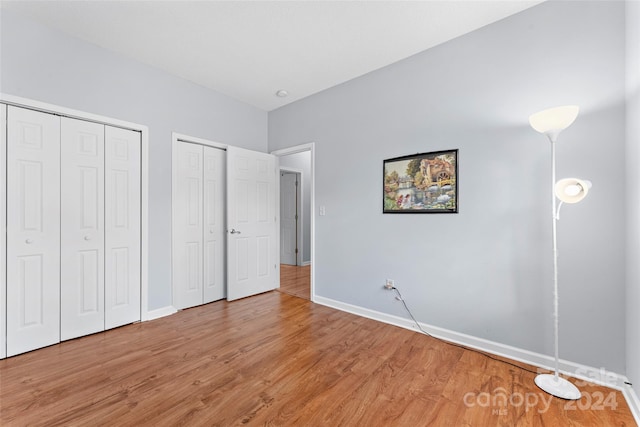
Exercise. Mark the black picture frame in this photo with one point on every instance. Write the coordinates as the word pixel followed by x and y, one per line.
pixel 421 183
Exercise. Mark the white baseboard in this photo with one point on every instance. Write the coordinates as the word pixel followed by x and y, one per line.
pixel 160 312
pixel 306 263
pixel 634 403
pixel 576 370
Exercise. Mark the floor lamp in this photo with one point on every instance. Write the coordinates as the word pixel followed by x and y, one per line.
pixel 570 190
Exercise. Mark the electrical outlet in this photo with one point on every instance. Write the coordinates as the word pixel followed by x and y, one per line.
pixel 389 284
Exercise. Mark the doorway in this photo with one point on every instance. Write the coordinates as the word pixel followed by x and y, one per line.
pixel 297 278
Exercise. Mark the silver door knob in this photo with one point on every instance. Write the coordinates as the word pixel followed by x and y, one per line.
pixel 211 231
pixel 28 241
pixel 87 238
pixel 233 231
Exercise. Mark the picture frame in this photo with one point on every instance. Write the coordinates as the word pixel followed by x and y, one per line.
pixel 421 183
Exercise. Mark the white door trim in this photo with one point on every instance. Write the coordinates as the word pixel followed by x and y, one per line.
pixel 175 137
pixel 144 137
pixel 3 231
pixel 312 214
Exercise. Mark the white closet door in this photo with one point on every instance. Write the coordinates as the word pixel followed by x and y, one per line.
pixel 3 229
pixel 33 230
pixel 82 228
pixel 187 226
pixel 122 226
pixel 252 223
pixel 214 233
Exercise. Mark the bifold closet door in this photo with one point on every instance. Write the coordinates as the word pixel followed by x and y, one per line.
pixel 198 225
pixel 122 220
pixel 214 224
pixel 100 205
pixel 33 230
pixel 82 228
pixel 187 226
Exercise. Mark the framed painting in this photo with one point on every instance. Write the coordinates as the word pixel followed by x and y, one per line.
pixel 421 183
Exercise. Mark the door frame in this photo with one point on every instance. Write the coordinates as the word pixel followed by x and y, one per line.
pixel 144 167
pixel 310 146
pixel 3 231
pixel 301 212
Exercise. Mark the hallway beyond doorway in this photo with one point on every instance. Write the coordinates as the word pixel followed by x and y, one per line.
pixel 295 280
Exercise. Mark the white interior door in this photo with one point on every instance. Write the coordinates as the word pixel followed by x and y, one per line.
pixel 214 231
pixel 82 228
pixel 187 226
pixel 122 226
pixel 288 218
pixel 3 229
pixel 33 230
pixel 252 223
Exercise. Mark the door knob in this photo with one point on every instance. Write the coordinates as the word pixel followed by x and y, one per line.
pixel 211 231
pixel 233 231
pixel 87 238
pixel 28 241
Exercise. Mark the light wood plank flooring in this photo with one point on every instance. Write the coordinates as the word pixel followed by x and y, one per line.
pixel 295 280
pixel 277 360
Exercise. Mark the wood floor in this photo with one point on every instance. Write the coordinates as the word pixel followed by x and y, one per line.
pixel 279 360
pixel 295 280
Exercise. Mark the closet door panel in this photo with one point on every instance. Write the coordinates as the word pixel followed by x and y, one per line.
pixel 122 226
pixel 214 224
pixel 33 230
pixel 188 229
pixel 82 228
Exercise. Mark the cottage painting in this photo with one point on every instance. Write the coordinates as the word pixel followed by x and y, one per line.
pixel 422 183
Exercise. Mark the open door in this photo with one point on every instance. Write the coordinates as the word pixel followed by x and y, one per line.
pixel 289 217
pixel 252 223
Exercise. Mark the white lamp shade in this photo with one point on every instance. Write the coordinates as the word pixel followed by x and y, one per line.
pixel 572 190
pixel 554 120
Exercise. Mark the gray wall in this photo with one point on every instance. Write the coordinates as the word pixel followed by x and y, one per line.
pixel 486 271
pixel 46 65
pixel 302 161
pixel 632 194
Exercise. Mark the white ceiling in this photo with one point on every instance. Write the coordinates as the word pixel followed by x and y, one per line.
pixel 251 49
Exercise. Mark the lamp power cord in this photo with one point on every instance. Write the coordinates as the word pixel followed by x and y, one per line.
pixel 400 298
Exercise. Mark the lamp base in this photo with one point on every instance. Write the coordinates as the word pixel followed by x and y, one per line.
pixel 558 387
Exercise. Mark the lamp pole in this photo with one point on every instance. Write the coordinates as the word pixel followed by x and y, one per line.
pixel 556 296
